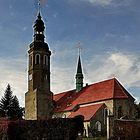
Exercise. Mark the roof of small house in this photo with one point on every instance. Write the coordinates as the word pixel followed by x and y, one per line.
pixel 87 111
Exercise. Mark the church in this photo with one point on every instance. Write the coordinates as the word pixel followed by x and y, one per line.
pixel 94 102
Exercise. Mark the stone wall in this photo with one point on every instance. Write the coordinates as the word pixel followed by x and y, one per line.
pixel 54 129
pixel 30 105
pixel 126 129
pixel 127 105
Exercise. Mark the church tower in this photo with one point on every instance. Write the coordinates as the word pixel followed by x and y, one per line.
pixel 38 99
pixel 79 76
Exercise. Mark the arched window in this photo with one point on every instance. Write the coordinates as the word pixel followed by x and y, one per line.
pixel 54 116
pixel 105 115
pixel 45 61
pixel 30 60
pixel 64 116
pixel 46 77
pixel 120 114
pixel 98 126
pixel 37 59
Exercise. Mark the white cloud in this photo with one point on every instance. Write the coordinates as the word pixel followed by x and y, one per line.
pixel 62 67
pixel 100 2
pixel 62 79
pixel 124 37
pixel 114 3
pixel 13 72
pixel 125 67
pixel 55 15
pixel 24 28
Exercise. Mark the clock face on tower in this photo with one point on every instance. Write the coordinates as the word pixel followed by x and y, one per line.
pixel 30 77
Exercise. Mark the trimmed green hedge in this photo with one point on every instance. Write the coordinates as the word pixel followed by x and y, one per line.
pixel 99 138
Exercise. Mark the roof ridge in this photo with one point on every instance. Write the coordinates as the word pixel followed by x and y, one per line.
pixel 85 105
pixel 102 81
pixel 85 86
pixel 64 92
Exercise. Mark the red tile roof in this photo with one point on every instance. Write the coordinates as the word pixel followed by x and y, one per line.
pixel 108 89
pixel 88 111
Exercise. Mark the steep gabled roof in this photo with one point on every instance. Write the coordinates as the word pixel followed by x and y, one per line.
pixel 87 111
pixel 63 100
pixel 105 90
pixel 119 91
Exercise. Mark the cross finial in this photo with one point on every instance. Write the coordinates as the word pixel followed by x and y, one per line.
pixel 39 5
pixel 79 48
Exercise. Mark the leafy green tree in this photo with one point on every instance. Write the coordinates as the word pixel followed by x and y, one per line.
pixel 138 111
pixel 9 105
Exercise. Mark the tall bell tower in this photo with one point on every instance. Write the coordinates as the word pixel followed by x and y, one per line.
pixel 38 99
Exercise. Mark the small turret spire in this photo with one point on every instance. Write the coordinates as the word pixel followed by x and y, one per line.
pixel 79 74
pixel 39 6
pixel 39 26
pixel 79 67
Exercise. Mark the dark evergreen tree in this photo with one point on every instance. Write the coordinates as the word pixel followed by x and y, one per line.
pixel 5 102
pixel 9 105
pixel 16 112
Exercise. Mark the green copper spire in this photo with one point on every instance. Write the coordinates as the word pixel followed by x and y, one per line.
pixel 79 76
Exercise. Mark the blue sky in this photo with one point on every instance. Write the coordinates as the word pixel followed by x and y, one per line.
pixel 108 30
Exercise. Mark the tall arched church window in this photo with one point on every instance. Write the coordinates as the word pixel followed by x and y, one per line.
pixel 45 61
pixel 120 114
pixel 30 60
pixel 105 115
pixel 64 116
pixel 37 59
pixel 98 126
